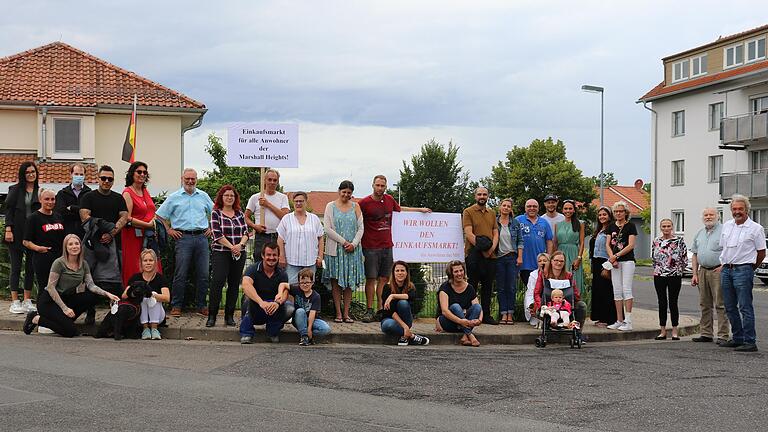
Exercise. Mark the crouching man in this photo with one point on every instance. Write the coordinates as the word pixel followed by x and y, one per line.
pixel 266 287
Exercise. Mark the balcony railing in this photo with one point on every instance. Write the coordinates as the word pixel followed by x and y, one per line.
pixel 752 184
pixel 743 130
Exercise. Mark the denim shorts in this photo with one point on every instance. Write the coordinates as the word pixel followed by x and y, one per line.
pixel 378 263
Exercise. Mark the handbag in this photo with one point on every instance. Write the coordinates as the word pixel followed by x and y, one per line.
pixel 606 274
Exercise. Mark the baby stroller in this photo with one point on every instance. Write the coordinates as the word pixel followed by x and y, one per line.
pixel 547 330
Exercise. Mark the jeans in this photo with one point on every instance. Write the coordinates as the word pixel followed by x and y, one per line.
pixel 451 327
pixel 390 326
pixel 257 316
pixel 662 283
pixel 737 295
pixel 191 252
pixel 301 319
pixel 506 282
pixel 229 271
pixel 17 254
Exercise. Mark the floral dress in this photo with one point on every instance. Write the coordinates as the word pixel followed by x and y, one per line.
pixel 346 267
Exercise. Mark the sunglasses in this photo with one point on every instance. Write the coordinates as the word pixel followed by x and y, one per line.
pixel 140 171
pixel 106 179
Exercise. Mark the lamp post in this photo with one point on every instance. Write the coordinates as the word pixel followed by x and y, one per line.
pixel 595 89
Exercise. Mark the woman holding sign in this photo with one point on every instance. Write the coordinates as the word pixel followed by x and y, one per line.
pixel 343 222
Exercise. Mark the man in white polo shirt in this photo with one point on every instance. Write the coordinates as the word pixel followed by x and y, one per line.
pixel 743 243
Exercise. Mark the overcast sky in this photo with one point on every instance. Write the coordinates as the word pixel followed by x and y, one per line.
pixel 370 81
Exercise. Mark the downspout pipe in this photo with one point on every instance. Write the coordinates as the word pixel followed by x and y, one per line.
pixel 196 124
pixel 654 157
pixel 43 132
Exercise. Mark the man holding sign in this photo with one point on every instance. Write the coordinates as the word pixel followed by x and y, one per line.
pixel 275 206
pixel 377 244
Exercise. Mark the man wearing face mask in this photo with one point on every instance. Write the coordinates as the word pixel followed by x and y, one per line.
pixel 68 201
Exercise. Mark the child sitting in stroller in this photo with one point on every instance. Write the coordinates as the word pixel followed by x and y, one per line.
pixel 558 310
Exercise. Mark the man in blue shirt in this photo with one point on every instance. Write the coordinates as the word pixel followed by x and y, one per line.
pixel 537 238
pixel 185 214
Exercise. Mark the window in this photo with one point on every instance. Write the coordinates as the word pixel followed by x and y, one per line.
pixel 755 50
pixel 720 213
pixel 715 168
pixel 759 104
pixel 715 115
pixel 66 135
pixel 681 70
pixel 678 221
pixel 758 160
pixel 734 56
pixel 678 123
pixel 698 66
pixel 678 173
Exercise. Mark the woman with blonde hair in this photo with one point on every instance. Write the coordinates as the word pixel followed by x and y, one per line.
pixel 152 312
pixel 69 293
pixel 620 245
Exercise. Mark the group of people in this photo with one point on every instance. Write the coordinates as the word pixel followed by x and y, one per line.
pixel 81 244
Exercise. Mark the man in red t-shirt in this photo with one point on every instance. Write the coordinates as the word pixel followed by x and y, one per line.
pixel 377 211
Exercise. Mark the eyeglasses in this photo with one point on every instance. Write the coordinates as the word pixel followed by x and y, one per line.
pixel 141 172
pixel 106 179
pixel 305 282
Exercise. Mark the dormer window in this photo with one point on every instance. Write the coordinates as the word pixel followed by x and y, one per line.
pixel 689 68
pixel 681 70
pixel 755 50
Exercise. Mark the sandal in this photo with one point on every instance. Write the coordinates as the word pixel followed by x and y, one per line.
pixel 338 320
pixel 466 343
pixel 348 320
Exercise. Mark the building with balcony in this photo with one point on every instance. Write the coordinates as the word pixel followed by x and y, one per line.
pixel 710 131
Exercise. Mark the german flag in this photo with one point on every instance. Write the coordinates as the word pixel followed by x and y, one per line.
pixel 129 146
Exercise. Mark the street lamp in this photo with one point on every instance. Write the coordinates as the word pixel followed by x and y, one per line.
pixel 595 89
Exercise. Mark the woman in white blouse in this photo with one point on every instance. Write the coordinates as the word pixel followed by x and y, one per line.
pixel 299 236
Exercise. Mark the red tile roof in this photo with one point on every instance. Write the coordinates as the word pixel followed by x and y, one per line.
pixel 720 40
pixel 661 89
pixel 50 172
pixel 636 199
pixel 317 200
pixel 58 74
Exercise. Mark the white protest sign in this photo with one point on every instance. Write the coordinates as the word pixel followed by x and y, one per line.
pixel 273 145
pixel 427 237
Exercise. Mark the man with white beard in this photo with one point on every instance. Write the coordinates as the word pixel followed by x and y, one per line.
pixel 706 274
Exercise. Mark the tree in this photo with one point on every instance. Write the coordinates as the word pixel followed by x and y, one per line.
pixel 537 170
pixel 608 180
pixel 435 179
pixel 245 179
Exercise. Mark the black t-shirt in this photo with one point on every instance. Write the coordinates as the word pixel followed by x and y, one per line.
pixel 266 287
pixel 107 207
pixel 45 230
pixel 464 299
pixel 387 291
pixel 301 301
pixel 157 283
pixel 620 239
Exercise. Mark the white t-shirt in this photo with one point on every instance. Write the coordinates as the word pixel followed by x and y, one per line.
pixel 301 241
pixel 279 200
pixel 741 242
pixel 552 221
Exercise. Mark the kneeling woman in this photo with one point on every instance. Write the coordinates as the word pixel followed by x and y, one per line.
pixel 459 310
pixel 65 297
pixel 398 297
pixel 152 312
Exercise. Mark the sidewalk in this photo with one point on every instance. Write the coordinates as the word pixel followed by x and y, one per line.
pixel 191 326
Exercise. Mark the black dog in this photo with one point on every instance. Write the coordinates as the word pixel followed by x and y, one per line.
pixel 125 323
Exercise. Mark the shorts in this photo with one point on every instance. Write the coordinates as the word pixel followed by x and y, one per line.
pixel 378 263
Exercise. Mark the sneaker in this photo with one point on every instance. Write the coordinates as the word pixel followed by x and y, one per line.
pixel 273 339
pixel 44 330
pixel 28 324
pixel 419 340
pixel 246 340
pixel 28 306
pixel 17 308
pixel 368 317
pixel 311 341
pixel 304 341
pixel 731 344
pixel 403 341
pixel 146 334
pixel 627 326
pixel 155 334
pixel 616 325
pixel 747 347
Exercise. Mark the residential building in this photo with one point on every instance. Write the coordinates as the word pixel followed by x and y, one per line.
pixel 710 130
pixel 59 105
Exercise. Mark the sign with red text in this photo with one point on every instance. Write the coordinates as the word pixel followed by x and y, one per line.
pixel 273 145
pixel 427 237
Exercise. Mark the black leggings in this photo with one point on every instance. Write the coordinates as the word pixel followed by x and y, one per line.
pixel 42 264
pixel 16 255
pixel 52 317
pixel 662 283
pixel 225 269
